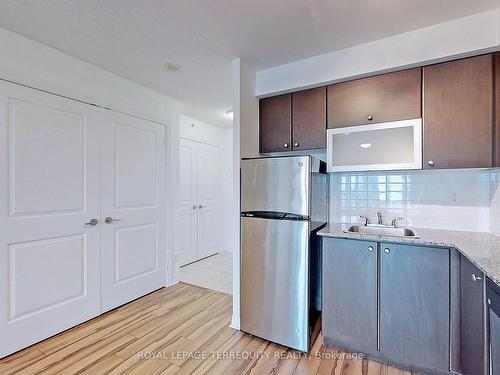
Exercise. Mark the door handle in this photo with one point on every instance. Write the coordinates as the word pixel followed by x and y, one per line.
pixel 92 222
pixel 109 220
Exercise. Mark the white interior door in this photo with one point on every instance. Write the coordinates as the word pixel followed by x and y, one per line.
pixel 133 244
pixel 187 208
pixel 49 187
pixel 209 221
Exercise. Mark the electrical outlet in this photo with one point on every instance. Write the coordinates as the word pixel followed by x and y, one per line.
pixel 453 197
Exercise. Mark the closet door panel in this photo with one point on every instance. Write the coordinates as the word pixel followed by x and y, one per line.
pixel 209 223
pixel 187 207
pixel 49 184
pixel 133 247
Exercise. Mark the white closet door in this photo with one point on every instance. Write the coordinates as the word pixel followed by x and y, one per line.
pixel 187 208
pixel 209 220
pixel 49 187
pixel 133 244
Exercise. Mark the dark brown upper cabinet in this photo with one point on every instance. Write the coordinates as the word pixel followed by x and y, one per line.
pixel 309 119
pixel 275 123
pixel 388 97
pixel 458 113
pixel 496 132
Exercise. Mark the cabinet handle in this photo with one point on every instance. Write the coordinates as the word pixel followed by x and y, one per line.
pixel 285 145
pixel 476 278
pixel 387 250
pixel 431 163
pixel 194 206
pixel 369 117
pixel 296 144
pixel 370 248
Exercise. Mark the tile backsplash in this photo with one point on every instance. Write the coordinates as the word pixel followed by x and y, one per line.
pixel 451 199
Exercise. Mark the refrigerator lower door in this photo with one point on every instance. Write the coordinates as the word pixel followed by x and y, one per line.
pixel 274 296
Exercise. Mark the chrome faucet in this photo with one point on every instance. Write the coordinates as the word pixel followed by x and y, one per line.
pixel 379 218
pixel 366 219
pixel 394 221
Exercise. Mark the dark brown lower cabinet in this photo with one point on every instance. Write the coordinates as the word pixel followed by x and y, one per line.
pixel 349 302
pixel 414 307
pixel 493 296
pixel 391 302
pixel 472 312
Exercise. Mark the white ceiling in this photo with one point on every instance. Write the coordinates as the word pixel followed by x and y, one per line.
pixel 134 38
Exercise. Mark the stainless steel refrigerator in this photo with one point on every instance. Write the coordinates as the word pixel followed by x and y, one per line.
pixel 283 202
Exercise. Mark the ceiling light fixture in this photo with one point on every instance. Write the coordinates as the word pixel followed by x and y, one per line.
pixel 229 113
pixel 365 145
pixel 172 67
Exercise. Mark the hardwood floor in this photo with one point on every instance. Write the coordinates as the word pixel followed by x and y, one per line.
pixel 150 335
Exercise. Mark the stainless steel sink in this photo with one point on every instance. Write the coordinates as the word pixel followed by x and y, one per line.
pixel 381 230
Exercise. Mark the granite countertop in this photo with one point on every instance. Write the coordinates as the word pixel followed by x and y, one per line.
pixel 482 249
pixel 316 224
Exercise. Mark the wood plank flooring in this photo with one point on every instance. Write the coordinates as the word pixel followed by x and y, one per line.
pixel 183 329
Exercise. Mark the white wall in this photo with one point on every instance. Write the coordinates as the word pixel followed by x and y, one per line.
pixel 30 63
pixel 465 36
pixel 197 130
pixel 249 113
pixel 245 144
pixel 228 203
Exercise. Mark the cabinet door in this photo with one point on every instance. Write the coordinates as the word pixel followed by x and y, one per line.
pixel 414 306
pixel 309 119
pixel 275 123
pixel 495 342
pixel 493 296
pixel 349 297
pixel 472 306
pixel 496 133
pixel 458 114
pixel 388 97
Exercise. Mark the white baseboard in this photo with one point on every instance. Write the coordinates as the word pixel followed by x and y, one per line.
pixel 175 279
pixel 235 322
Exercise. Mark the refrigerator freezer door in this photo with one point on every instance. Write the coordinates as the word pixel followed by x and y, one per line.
pixel 276 185
pixel 274 280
